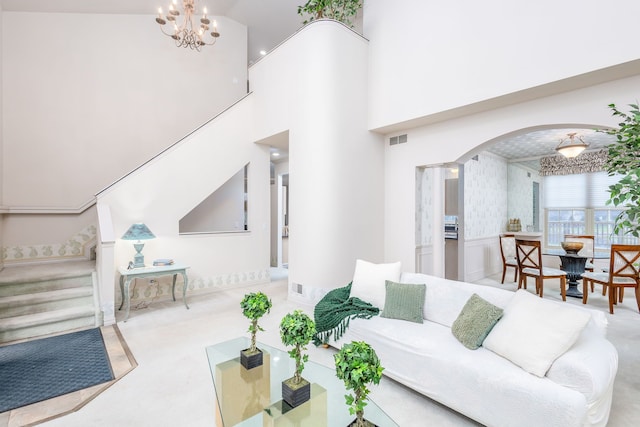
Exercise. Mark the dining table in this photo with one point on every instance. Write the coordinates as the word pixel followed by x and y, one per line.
pixel 574 264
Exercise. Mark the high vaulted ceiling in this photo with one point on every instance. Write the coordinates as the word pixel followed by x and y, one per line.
pixel 268 22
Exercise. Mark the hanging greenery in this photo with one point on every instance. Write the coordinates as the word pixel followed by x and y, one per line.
pixel 340 10
pixel 624 159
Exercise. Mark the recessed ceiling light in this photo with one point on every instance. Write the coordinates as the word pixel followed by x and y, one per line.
pixel 263 52
pixel 275 154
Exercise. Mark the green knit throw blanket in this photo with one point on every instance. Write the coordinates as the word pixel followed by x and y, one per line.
pixel 335 309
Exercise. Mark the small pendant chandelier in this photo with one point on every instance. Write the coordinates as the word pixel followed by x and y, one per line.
pixel 184 34
pixel 571 147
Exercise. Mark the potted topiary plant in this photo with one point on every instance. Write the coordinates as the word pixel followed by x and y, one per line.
pixel 357 364
pixel 254 306
pixel 297 329
pixel 340 10
pixel 623 159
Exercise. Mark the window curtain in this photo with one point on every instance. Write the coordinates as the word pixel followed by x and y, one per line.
pixel 592 161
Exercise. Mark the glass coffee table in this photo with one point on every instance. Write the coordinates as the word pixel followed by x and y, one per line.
pixel 253 397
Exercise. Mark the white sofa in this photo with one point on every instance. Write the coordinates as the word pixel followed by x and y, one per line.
pixel 575 391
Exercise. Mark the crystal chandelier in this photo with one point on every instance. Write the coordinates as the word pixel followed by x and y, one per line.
pixel 184 34
pixel 571 148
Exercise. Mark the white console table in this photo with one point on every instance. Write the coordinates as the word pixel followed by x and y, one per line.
pixel 129 274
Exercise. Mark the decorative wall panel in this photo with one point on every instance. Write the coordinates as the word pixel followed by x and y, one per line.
pixel 485 196
pixel 77 247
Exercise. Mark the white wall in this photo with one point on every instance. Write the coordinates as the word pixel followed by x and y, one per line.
pixel 94 96
pixel 92 99
pixel 461 138
pixel 221 211
pixel 315 85
pixel 159 199
pixel 427 58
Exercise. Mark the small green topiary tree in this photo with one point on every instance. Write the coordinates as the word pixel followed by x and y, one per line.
pixel 297 329
pixel 357 364
pixel 254 306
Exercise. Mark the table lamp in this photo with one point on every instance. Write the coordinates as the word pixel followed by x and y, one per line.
pixel 139 232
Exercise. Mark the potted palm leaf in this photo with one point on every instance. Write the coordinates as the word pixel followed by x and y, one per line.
pixel 357 364
pixel 254 306
pixel 623 159
pixel 297 330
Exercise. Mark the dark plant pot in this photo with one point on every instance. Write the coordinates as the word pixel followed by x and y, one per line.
pixel 354 423
pixel 250 360
pixel 296 394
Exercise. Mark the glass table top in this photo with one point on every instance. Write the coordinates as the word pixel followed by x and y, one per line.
pixel 253 397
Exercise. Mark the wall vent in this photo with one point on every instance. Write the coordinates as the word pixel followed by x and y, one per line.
pixel 297 288
pixel 400 139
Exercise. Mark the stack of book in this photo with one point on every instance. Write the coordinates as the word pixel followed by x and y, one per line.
pixel 162 261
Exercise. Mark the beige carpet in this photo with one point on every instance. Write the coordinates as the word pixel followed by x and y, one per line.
pixel 172 384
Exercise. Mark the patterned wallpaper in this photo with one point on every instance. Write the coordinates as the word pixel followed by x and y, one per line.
pixel 521 194
pixel 74 248
pixel 424 206
pixel 485 196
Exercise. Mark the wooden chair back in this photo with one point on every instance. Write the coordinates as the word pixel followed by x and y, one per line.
pixel 624 262
pixel 529 254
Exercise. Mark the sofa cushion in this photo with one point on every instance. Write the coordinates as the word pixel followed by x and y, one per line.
pixel 369 281
pixel 443 300
pixel 534 332
pixel 403 301
pixel 475 321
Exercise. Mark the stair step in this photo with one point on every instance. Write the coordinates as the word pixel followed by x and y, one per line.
pixel 8 289
pixel 19 305
pixel 32 325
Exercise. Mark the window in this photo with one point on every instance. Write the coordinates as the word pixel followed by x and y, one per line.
pixel 603 229
pixel 576 204
pixel 564 221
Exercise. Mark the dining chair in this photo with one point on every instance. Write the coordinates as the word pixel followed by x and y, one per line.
pixel 587 250
pixel 623 273
pixel 508 253
pixel 529 257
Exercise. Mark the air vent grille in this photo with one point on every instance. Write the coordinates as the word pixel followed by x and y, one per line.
pixel 400 139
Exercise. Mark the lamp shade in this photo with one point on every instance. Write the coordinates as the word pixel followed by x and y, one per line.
pixel 571 147
pixel 138 231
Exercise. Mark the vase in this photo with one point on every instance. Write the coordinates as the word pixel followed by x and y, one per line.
pixel 250 359
pixel 296 394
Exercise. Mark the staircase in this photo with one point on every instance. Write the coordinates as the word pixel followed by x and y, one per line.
pixel 46 299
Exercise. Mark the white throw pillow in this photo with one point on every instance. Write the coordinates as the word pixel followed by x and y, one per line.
pixel 534 332
pixel 369 279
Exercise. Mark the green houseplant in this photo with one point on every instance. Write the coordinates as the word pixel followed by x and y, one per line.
pixel 623 159
pixel 357 364
pixel 340 10
pixel 297 330
pixel 254 305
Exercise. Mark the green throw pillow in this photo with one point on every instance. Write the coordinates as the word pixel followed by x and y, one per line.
pixel 403 301
pixel 475 321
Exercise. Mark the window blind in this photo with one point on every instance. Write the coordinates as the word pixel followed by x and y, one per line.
pixel 586 190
